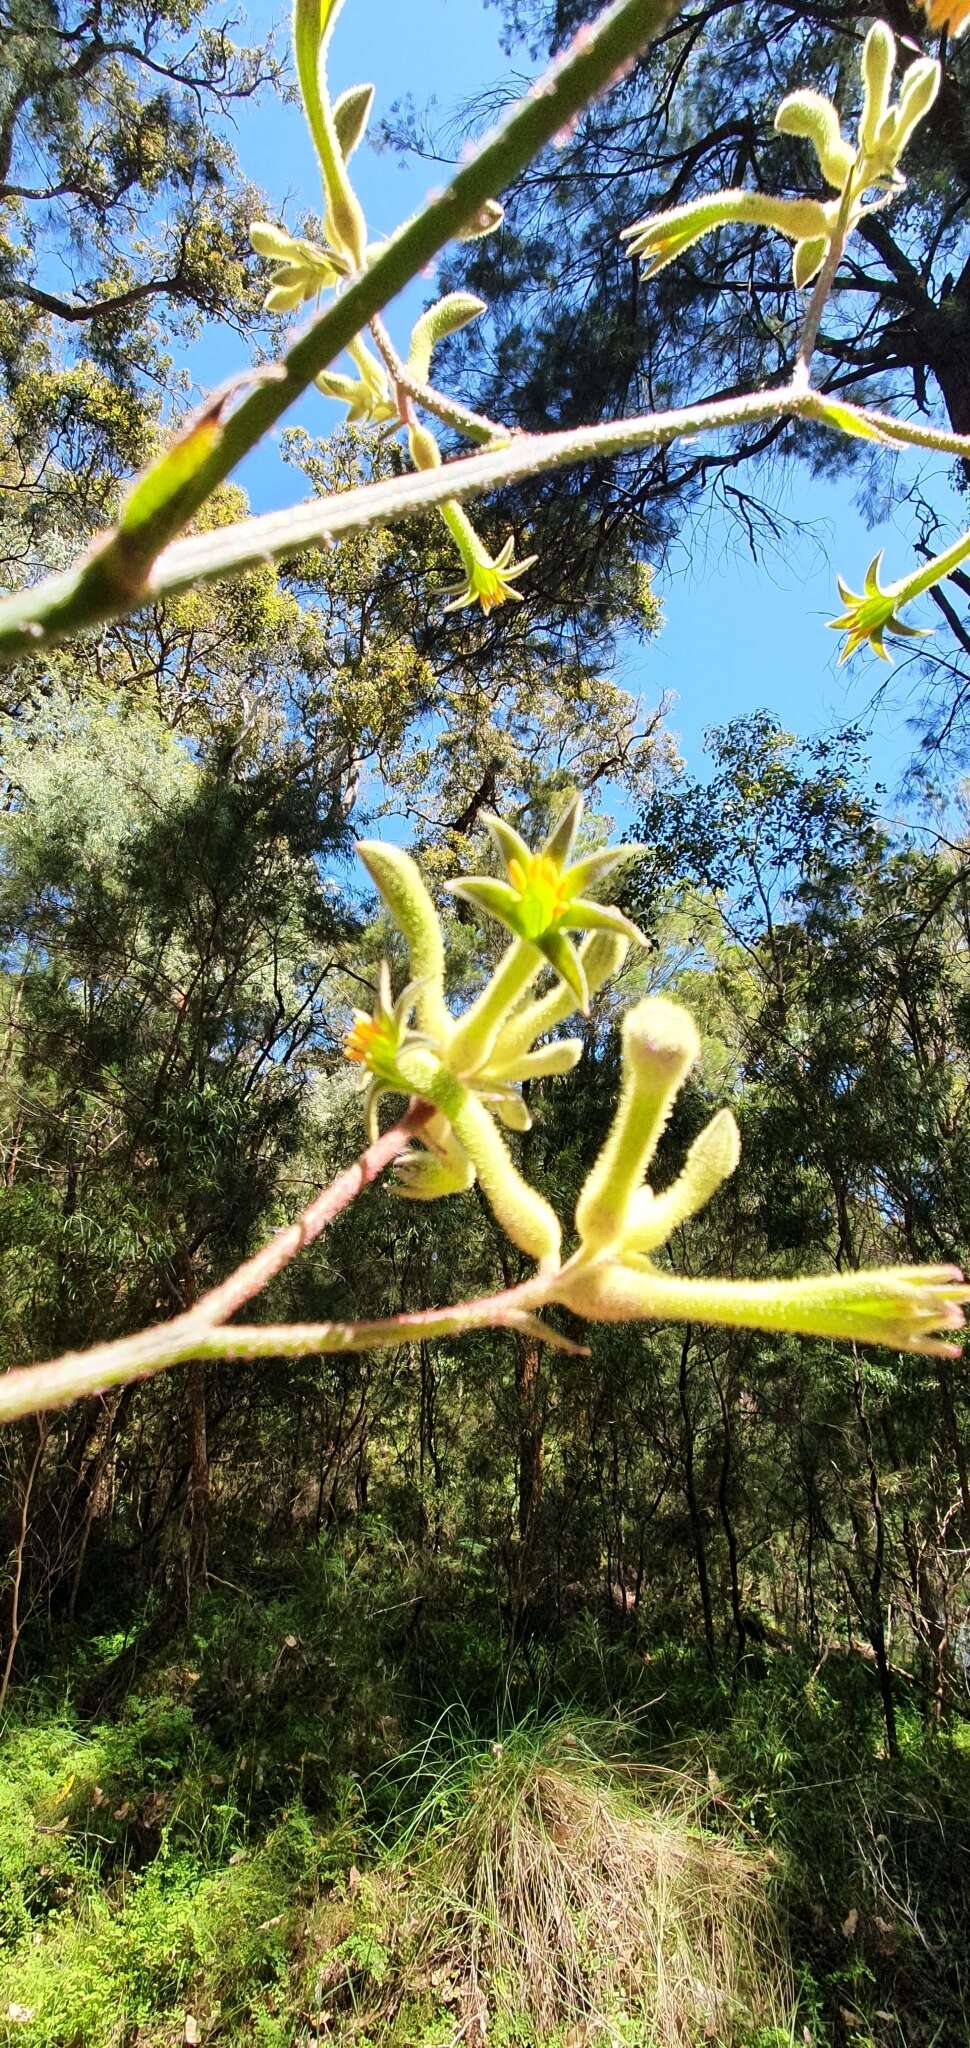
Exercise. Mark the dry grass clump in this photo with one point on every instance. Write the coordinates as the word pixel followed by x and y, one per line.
pixel 570 1894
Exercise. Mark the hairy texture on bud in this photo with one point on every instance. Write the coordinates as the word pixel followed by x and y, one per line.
pixel 423 448
pixel 602 955
pixel 476 1033
pixel 447 317
pixel 916 96
pixel 660 1045
pixel 313 22
pixel 878 60
pixel 523 1214
pixel 905 1309
pixel 399 881
pixel 807 260
pixel 351 113
pixel 713 1156
pixel 811 115
pixel 660 238
pixel 558 1058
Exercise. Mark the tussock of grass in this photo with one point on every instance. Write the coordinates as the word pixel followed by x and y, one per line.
pixel 560 1892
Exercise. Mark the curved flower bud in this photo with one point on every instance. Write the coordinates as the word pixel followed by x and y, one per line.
pixel 807 260
pixel 351 113
pixel 661 237
pixel 812 115
pixel 447 317
pixel 878 64
pixel 558 1058
pixel 923 79
pixel 399 881
pixel 601 955
pixel 660 1044
pixel 713 1156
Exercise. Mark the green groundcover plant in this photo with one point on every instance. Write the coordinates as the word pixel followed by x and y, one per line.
pixel 462 1076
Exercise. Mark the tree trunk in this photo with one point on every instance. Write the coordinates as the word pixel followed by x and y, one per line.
pixel 693 1510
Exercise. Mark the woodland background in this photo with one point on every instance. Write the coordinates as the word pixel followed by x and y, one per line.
pixel 234 1599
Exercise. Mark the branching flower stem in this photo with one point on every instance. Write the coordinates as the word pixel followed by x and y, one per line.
pixel 114 577
pixel 474 425
pixel 821 292
pixel 49 612
pixel 31 1388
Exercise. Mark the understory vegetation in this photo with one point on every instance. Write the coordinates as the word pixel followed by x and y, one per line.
pixel 288 1827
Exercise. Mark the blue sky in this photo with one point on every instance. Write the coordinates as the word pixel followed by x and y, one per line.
pixel 739 635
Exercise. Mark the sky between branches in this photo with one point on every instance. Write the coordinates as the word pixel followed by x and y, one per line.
pixel 739 634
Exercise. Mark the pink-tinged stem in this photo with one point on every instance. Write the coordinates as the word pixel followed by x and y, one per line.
pixel 30 1388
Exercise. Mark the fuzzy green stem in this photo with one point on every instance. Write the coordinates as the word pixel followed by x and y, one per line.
pixel 58 607
pixel 812 320
pixel 931 573
pixel 62 605
pixel 346 227
pixel 477 1031
pixel 113 578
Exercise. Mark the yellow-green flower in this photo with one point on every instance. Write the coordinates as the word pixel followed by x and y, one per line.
pixel 375 1041
pixel 661 237
pixel 300 270
pixel 872 613
pixel 488 582
pixel 368 396
pixel 544 897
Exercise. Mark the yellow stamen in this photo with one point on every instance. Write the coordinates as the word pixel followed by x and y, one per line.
pixel 361 1038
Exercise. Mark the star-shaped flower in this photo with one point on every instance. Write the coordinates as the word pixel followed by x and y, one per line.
pixel 545 898
pixel 300 270
pixel 374 1043
pixel 488 582
pixel 870 614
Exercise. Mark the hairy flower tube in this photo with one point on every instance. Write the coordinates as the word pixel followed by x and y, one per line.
pixel 467 1067
pixel 488 581
pixel 850 169
pixel 620 1221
